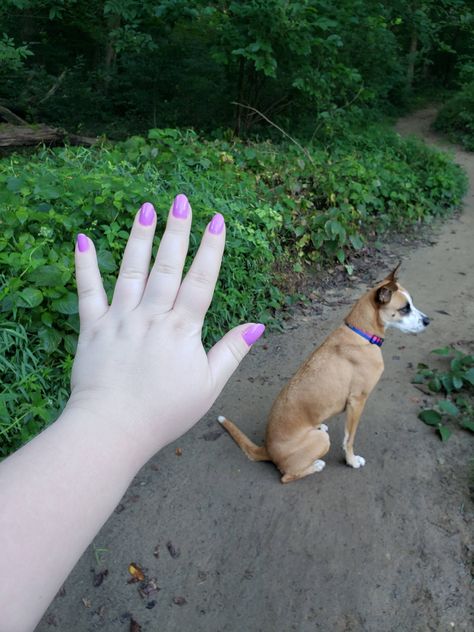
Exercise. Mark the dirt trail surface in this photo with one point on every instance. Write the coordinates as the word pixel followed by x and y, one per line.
pixel 382 549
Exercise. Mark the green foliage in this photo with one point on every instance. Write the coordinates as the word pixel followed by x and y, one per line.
pixel 457 117
pixel 11 56
pixel 123 66
pixel 456 382
pixel 280 207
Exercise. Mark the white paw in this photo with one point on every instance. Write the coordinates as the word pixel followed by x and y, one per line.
pixel 356 462
pixel 323 427
pixel 319 465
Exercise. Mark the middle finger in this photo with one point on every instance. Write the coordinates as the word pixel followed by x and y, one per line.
pixel 165 276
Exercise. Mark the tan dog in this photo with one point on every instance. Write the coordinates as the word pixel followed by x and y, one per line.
pixel 339 375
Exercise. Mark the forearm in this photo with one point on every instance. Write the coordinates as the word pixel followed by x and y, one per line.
pixel 55 494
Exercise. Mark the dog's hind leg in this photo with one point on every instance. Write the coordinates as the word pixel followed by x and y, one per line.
pixel 306 459
pixel 355 406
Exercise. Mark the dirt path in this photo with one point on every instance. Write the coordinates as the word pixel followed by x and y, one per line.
pixel 382 549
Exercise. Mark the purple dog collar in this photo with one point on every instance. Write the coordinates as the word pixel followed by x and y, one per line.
pixel 372 338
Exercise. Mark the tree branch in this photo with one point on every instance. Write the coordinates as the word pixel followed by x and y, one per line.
pixel 9 116
pixel 305 151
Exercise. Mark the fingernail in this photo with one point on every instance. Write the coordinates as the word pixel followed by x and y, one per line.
pixel 147 214
pixel 253 333
pixel 181 206
pixel 82 243
pixel 217 224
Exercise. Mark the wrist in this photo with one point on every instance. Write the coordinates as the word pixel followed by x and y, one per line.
pixel 100 428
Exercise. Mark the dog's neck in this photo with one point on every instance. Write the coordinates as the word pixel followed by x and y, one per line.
pixel 364 315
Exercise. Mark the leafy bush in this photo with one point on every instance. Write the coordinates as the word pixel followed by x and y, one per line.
pixel 281 205
pixel 456 383
pixel 457 117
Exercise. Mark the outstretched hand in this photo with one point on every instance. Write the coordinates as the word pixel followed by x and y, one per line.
pixel 140 364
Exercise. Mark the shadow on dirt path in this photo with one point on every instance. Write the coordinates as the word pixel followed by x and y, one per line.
pixel 381 549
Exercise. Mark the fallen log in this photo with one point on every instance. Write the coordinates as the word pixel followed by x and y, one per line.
pixel 23 135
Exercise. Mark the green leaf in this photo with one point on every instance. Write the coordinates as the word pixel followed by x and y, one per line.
pixel 443 351
pixel 435 385
pixel 66 304
pixel 356 241
pixel 448 407
pixel 22 215
pixel 422 366
pixel 70 343
pixel 50 339
pixel 447 383
pixel 418 379
pixel 444 432
pixel 457 382
pixel 47 318
pixel 468 424
pixel 106 261
pixel 46 276
pixel 430 417
pixel 469 376
pixel 29 297
pixel 456 364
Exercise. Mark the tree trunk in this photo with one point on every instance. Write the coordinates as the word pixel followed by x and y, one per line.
pixel 24 135
pixel 113 22
pixel 411 59
pixel 240 94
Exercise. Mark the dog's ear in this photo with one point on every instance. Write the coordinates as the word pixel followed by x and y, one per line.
pixel 393 274
pixel 383 295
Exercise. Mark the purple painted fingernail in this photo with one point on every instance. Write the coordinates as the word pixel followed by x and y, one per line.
pixel 253 333
pixel 181 206
pixel 217 224
pixel 82 243
pixel 147 214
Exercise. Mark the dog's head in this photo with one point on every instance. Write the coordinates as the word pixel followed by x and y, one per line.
pixel 395 306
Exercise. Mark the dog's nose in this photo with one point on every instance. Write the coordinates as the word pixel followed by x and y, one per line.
pixel 426 321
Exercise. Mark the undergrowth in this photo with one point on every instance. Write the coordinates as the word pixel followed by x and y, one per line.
pixel 456 118
pixel 453 384
pixel 280 205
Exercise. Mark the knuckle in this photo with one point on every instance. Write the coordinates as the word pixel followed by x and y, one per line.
pixel 179 229
pixel 199 278
pixel 185 322
pixel 165 268
pixel 132 274
pixel 86 292
pixel 235 351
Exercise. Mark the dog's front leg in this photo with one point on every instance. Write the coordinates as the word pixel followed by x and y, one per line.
pixel 355 406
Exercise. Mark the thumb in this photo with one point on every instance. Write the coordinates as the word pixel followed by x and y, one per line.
pixel 226 355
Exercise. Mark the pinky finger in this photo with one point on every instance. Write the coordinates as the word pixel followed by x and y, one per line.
pixel 91 294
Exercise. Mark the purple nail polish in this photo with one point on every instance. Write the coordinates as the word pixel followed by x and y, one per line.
pixel 82 243
pixel 217 224
pixel 181 206
pixel 147 214
pixel 253 333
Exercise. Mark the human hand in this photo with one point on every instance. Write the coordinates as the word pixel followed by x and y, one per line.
pixel 140 366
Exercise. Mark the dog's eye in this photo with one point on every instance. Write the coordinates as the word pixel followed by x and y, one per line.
pixel 406 309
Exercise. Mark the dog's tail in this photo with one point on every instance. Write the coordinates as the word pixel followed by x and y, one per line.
pixel 254 452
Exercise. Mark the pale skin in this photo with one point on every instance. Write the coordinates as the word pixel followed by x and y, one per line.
pixel 134 360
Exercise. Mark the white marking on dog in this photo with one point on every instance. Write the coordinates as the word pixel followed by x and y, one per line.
pixel 319 465
pixel 346 437
pixel 410 323
pixel 323 427
pixel 357 462
pixel 221 419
